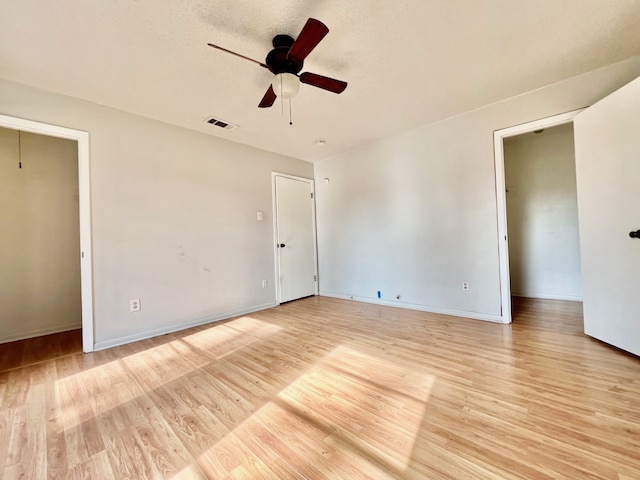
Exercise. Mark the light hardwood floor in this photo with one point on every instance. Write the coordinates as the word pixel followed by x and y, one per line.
pixel 326 388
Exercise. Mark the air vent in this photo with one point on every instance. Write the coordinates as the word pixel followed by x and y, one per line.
pixel 221 123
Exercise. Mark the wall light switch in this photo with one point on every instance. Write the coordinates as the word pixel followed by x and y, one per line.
pixel 259 215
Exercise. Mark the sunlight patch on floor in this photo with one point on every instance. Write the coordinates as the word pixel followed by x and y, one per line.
pixel 108 386
pixel 231 336
pixel 189 473
pixel 351 412
pixel 371 403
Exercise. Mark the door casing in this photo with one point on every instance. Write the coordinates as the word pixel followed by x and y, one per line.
pixel 84 186
pixel 501 198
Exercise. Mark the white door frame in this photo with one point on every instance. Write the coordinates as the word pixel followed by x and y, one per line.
pixel 84 190
pixel 276 250
pixel 501 197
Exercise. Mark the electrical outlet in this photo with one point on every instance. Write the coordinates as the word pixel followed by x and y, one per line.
pixel 134 305
pixel 264 284
pixel 465 285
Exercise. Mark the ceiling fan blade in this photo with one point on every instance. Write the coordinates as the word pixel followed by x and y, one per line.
pixel 268 99
pixel 310 36
pixel 326 83
pixel 238 55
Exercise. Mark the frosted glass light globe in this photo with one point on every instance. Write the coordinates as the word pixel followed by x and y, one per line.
pixel 286 85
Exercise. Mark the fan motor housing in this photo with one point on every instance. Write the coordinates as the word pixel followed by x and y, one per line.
pixel 278 60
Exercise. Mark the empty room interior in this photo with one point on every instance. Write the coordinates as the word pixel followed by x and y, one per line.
pixel 312 240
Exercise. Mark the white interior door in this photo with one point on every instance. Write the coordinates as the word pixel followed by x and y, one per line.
pixel 607 145
pixel 295 238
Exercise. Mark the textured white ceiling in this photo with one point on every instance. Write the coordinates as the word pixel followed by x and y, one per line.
pixel 408 63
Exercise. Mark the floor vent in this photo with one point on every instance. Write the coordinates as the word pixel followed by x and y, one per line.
pixel 221 123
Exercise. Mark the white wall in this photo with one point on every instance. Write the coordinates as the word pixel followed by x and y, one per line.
pixel 415 214
pixel 173 216
pixel 542 214
pixel 40 241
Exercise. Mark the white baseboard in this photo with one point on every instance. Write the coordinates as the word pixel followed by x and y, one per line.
pixel 40 332
pixel 176 328
pixel 422 308
pixel 549 296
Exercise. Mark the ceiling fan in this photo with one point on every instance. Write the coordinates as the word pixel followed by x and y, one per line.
pixel 286 60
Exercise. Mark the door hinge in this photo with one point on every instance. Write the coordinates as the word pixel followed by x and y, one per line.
pixel 312 195
pixel 315 278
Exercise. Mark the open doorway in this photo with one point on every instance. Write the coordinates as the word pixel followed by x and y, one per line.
pixel 542 214
pixel 40 245
pixel 543 257
pixel 37 137
pixel 542 226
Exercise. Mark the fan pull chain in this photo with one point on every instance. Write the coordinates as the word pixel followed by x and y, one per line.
pixel 281 99
pixel 19 150
pixel 290 119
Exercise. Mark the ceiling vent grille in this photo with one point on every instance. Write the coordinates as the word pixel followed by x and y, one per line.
pixel 221 123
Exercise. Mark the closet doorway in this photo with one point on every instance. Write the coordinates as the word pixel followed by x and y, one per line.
pixel 46 247
pixel 500 137
pixel 542 214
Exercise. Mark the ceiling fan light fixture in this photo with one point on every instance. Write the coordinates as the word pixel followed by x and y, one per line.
pixel 286 85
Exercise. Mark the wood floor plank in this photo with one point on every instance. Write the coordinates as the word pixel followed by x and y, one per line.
pixel 120 460
pixel 328 389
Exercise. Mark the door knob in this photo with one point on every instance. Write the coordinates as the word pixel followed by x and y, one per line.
pixel 282 245
pixel 635 234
